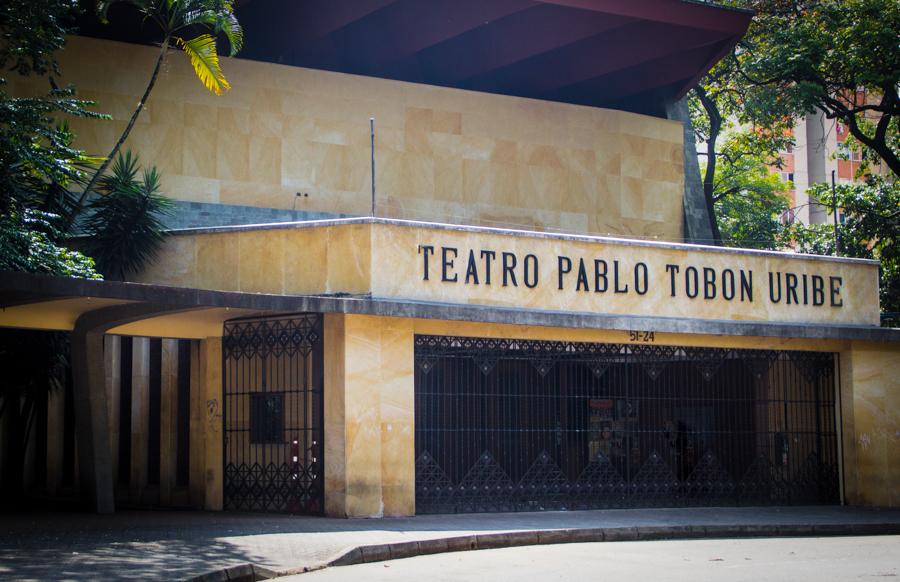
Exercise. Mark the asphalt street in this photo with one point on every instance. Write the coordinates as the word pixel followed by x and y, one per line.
pixel 837 559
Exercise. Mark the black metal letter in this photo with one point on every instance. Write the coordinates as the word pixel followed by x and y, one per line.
pixel 488 256
pixel 531 271
pixel 447 263
pixel 509 265
pixel 672 270
pixel 640 278
pixel 424 250
pixel 564 266
pixel 835 285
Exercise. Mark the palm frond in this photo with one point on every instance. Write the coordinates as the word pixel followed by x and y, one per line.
pixel 205 60
pixel 234 32
pixel 125 229
pixel 220 20
pixel 144 7
pixel 123 175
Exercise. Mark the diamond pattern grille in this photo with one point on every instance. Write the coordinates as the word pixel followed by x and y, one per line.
pixel 530 425
pixel 279 358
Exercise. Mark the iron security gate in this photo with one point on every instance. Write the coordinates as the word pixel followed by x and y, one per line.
pixel 273 414
pixel 518 425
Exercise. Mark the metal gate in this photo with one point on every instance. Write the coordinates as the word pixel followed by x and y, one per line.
pixel 519 425
pixel 273 414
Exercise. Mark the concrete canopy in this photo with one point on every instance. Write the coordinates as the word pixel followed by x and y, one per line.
pixel 618 54
pixel 56 303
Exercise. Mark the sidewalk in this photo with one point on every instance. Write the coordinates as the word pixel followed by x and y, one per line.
pixel 150 545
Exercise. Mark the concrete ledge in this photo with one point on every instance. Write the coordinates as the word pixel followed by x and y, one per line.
pixel 365 554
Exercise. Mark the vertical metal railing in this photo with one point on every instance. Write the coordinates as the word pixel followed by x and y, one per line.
pixel 273 414
pixel 515 425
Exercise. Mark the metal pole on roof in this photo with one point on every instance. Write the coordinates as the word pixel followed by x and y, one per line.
pixel 372 136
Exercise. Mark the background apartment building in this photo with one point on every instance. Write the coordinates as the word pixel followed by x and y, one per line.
pixel 820 148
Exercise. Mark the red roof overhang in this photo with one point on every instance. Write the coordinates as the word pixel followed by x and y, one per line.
pixel 627 54
pixel 612 53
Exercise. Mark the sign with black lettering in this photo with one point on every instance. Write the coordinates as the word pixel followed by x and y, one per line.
pixel 620 276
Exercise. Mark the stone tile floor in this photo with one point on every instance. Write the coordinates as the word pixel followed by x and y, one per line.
pixel 168 545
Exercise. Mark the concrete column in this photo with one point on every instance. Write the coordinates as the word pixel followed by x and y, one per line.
pixel 211 379
pixel 817 153
pixel 55 428
pixel 697 226
pixel 91 419
pixel 801 171
pixel 369 400
pixel 140 403
pixel 113 358
pixel 870 386
pixel 335 429
pixel 168 433
pixel 89 389
pixel 197 478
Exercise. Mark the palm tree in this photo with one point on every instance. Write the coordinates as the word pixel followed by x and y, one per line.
pixel 124 230
pixel 179 21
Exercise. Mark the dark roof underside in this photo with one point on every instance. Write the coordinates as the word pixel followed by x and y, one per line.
pixel 623 54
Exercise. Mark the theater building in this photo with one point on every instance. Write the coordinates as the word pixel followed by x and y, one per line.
pixel 515 316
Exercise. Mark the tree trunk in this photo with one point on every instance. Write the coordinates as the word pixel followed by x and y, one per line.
pixel 878 144
pixel 134 117
pixel 709 177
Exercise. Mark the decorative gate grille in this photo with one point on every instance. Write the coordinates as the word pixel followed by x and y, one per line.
pixel 519 425
pixel 273 414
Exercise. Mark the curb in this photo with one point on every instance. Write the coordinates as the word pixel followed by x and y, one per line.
pixel 398 550
pixel 240 573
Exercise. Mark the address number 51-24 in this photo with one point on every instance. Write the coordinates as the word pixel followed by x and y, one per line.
pixel 642 336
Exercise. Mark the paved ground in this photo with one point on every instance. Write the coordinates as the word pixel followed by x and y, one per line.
pixel 177 545
pixel 751 560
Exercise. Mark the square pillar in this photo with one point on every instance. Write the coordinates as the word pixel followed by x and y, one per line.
pixel 369 413
pixel 140 420
pixel 168 420
pixel 870 390
pixel 211 389
pixel 197 474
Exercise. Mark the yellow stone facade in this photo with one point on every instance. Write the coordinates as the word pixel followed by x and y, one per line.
pixel 387 260
pixel 369 405
pixel 870 382
pixel 442 154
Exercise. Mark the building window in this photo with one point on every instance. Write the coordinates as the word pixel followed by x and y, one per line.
pixel 787 176
pixel 266 418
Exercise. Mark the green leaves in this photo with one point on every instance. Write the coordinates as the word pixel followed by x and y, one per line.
pixel 205 60
pixel 838 56
pixel 749 198
pixel 870 230
pixel 28 242
pixel 31 31
pixel 124 230
pixel 181 20
pixel 221 20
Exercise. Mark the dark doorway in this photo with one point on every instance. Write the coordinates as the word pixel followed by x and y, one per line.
pixel 518 425
pixel 273 415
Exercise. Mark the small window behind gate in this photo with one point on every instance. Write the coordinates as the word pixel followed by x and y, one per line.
pixel 273 414
pixel 518 425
